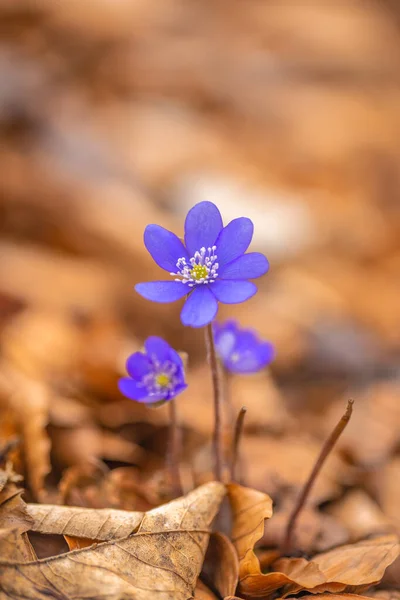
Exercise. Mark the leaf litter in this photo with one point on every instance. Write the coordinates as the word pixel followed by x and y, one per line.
pixel 87 163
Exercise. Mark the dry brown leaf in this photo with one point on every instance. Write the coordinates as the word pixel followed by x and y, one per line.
pixel 250 509
pixel 97 524
pixel 348 568
pixel 333 597
pixel 14 522
pixel 315 530
pixel 30 399
pixel 387 485
pixel 77 543
pixel 297 455
pixel 373 431
pixel 221 565
pixel 15 546
pixel 360 515
pixel 202 592
pixel 390 594
pixel 13 513
pixel 164 557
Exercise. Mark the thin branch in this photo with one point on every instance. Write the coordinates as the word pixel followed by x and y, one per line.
pixel 218 401
pixel 174 450
pixel 236 441
pixel 325 451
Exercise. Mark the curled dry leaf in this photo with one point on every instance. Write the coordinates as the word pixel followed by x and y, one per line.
pixel 163 557
pixel 250 509
pixel 347 568
pixel 221 565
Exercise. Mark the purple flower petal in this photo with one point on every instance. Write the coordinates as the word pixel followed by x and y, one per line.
pixel 266 352
pixel 164 246
pixel 225 339
pixel 158 348
pixel 132 389
pixel 234 240
pixel 233 291
pixel 247 266
pixel 162 291
pixel 252 359
pixel 175 358
pixel 178 390
pixel 202 226
pixel 200 308
pixel 154 399
pixel 138 365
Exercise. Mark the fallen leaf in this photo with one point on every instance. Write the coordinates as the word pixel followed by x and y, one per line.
pixel 332 597
pixel 13 513
pixel 221 565
pixel 97 524
pixel 202 592
pixel 77 543
pixel 360 515
pixel 315 531
pixel 164 556
pixel 15 546
pixel 297 455
pixel 250 509
pixel 390 594
pixel 348 568
pixel 30 401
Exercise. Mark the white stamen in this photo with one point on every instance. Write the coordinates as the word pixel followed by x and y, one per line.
pixel 205 258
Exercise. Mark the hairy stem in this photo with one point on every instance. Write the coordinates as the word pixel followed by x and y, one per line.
pixel 325 451
pixel 236 441
pixel 218 402
pixel 174 450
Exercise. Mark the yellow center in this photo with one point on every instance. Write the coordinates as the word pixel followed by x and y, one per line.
pixel 235 357
pixel 199 272
pixel 163 380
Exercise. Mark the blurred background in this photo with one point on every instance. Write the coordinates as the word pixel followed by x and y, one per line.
pixel 119 113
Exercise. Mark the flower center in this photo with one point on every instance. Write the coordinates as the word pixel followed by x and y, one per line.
pixel 235 357
pixel 199 272
pixel 202 267
pixel 163 380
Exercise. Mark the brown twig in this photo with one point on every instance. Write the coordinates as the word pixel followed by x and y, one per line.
pixel 218 401
pixel 174 450
pixel 325 451
pixel 236 441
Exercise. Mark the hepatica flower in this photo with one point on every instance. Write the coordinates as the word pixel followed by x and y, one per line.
pixel 210 267
pixel 241 350
pixel 155 375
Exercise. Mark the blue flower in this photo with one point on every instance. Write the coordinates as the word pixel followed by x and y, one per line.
pixel 240 350
pixel 210 267
pixel 156 375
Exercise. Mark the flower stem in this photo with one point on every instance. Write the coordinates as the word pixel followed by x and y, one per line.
pixel 218 401
pixel 236 441
pixel 323 455
pixel 174 450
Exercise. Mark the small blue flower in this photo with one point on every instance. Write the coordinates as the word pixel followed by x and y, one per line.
pixel 240 350
pixel 156 375
pixel 211 267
